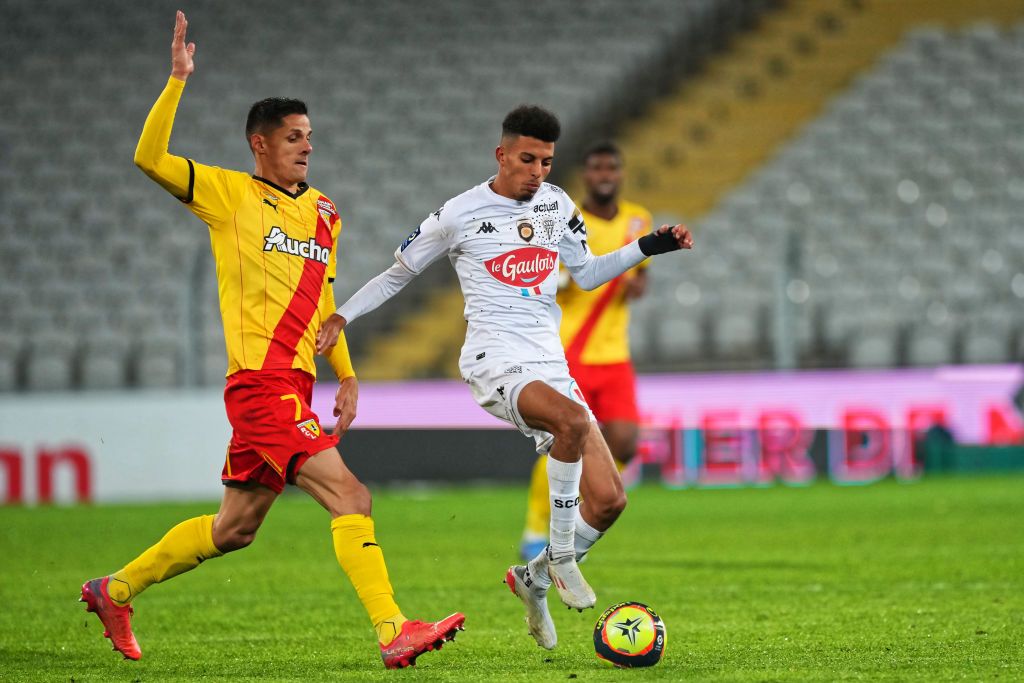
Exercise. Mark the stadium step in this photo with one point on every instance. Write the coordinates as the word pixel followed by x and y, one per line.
pixel 719 125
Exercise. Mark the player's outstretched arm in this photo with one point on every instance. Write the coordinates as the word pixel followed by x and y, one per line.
pixel 591 271
pixel 171 172
pixel 370 296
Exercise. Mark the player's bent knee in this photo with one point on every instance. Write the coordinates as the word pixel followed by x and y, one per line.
pixel 574 425
pixel 351 498
pixel 360 498
pixel 235 538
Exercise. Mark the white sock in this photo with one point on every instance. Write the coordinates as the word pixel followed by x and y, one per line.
pixel 564 494
pixel 537 571
pixel 586 537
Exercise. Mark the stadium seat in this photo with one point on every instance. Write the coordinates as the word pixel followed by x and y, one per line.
pixel 984 347
pixel 876 349
pixel 158 363
pixel 930 346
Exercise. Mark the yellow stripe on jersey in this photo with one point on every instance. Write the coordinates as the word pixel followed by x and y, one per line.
pixel 608 338
pixel 275 251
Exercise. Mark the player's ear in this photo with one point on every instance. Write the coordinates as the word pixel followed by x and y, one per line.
pixel 499 154
pixel 257 144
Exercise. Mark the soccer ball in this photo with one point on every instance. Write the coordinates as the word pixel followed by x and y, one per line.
pixel 629 634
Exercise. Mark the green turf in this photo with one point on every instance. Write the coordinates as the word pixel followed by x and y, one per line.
pixel 922 581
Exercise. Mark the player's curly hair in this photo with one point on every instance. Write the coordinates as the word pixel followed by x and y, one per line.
pixel 268 114
pixel 531 121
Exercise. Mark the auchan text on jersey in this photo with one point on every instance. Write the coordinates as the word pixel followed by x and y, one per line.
pixel 277 239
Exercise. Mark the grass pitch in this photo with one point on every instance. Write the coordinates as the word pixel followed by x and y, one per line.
pixel 919 581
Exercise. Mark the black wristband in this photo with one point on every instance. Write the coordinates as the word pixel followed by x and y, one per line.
pixel 653 243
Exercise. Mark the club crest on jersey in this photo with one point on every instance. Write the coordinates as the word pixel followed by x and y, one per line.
pixel 549 228
pixel 279 240
pixel 325 205
pixel 310 429
pixel 524 268
pixel 526 230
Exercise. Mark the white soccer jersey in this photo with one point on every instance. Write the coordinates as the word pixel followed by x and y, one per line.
pixel 506 254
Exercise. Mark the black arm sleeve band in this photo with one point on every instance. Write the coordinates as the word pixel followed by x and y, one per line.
pixel 653 243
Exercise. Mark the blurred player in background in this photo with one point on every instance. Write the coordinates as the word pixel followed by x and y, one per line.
pixel 275 244
pixel 505 238
pixel 595 328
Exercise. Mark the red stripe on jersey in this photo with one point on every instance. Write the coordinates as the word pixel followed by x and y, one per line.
pixel 574 350
pixel 296 317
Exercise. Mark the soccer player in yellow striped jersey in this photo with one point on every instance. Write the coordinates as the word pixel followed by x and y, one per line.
pixel 275 241
pixel 595 327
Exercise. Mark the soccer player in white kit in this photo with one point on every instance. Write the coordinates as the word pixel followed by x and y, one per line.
pixel 504 237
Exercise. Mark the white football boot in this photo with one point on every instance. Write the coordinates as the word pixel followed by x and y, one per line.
pixel 538 618
pixel 572 588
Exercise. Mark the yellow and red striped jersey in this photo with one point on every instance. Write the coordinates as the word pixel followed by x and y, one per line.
pixel 595 324
pixel 275 251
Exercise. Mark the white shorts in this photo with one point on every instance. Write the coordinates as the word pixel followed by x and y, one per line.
pixel 496 386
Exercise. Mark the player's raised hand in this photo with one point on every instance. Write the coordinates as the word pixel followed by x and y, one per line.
pixel 329 331
pixel 182 53
pixel 666 238
pixel 345 401
pixel 682 234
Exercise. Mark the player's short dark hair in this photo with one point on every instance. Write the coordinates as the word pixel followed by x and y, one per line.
pixel 268 114
pixel 531 121
pixel 601 148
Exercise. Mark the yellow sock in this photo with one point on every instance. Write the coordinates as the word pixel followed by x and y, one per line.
pixel 363 561
pixel 538 507
pixel 182 548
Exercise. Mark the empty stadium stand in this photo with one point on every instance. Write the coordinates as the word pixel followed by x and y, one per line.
pixel 107 281
pixel 855 177
pixel 888 232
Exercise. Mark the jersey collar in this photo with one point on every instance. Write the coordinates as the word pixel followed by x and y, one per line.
pixel 503 200
pixel 294 195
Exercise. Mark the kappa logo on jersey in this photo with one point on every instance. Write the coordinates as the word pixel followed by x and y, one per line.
pixel 279 240
pixel 408 240
pixel 487 229
pixel 524 268
pixel 310 429
pixel 526 230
